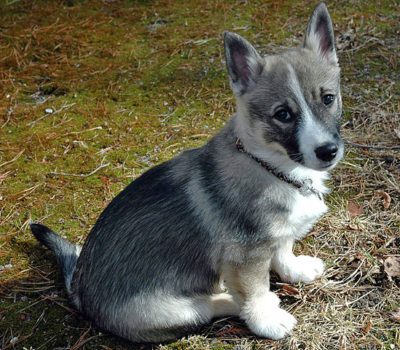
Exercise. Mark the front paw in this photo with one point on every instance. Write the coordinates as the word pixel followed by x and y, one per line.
pixel 274 323
pixel 265 318
pixel 302 269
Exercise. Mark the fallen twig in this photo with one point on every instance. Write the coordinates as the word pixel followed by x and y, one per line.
pixel 82 341
pixel 21 339
pixel 372 146
pixel 28 191
pixel 32 123
pixel 80 175
pixel 198 136
pixel 82 131
pixel 14 159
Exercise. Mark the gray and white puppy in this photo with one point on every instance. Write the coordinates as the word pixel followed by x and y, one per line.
pixel 229 211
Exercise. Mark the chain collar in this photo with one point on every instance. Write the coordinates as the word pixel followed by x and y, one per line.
pixel 306 187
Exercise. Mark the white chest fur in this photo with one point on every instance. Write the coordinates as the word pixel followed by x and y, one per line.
pixel 303 212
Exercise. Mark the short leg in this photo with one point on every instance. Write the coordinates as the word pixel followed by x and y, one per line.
pixel 293 268
pixel 249 285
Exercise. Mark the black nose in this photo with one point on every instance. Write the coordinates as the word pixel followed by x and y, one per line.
pixel 327 151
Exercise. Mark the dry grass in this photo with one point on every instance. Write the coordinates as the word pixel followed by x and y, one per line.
pixel 129 84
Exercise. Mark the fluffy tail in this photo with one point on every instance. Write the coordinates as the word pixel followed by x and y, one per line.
pixel 66 253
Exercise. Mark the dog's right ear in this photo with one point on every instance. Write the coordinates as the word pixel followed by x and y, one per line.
pixel 243 62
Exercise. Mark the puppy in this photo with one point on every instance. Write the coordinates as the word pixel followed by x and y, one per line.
pixel 153 264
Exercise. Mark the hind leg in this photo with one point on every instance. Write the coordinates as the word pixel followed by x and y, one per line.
pixel 161 317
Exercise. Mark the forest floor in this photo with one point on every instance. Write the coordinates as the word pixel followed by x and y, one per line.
pixel 94 93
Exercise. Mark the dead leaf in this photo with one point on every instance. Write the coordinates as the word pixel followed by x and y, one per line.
pixel 359 256
pixel 353 227
pixel 312 233
pixel 366 151
pixel 232 331
pixel 367 327
pixel 392 266
pixel 386 198
pixel 289 290
pixel 105 180
pixel 354 209
pixel 395 316
pixel 397 132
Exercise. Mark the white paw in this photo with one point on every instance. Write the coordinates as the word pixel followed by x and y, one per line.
pixel 274 323
pixel 302 269
pixel 265 318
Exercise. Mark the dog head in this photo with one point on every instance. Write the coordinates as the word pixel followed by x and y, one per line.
pixel 291 102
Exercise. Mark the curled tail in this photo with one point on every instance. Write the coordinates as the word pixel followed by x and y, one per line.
pixel 66 253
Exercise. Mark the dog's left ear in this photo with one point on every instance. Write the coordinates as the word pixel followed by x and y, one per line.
pixel 319 36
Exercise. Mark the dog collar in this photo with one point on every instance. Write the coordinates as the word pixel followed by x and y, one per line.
pixel 304 187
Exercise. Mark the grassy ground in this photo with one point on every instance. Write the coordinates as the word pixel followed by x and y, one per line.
pixel 93 93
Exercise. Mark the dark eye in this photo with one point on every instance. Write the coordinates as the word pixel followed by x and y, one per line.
pixel 328 99
pixel 283 115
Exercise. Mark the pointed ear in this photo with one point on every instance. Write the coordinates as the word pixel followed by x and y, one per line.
pixel 243 62
pixel 319 36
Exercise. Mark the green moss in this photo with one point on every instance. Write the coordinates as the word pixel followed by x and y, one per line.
pixel 152 76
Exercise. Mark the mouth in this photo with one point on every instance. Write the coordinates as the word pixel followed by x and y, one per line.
pixel 328 166
pixel 312 163
pixel 323 166
pixel 320 167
